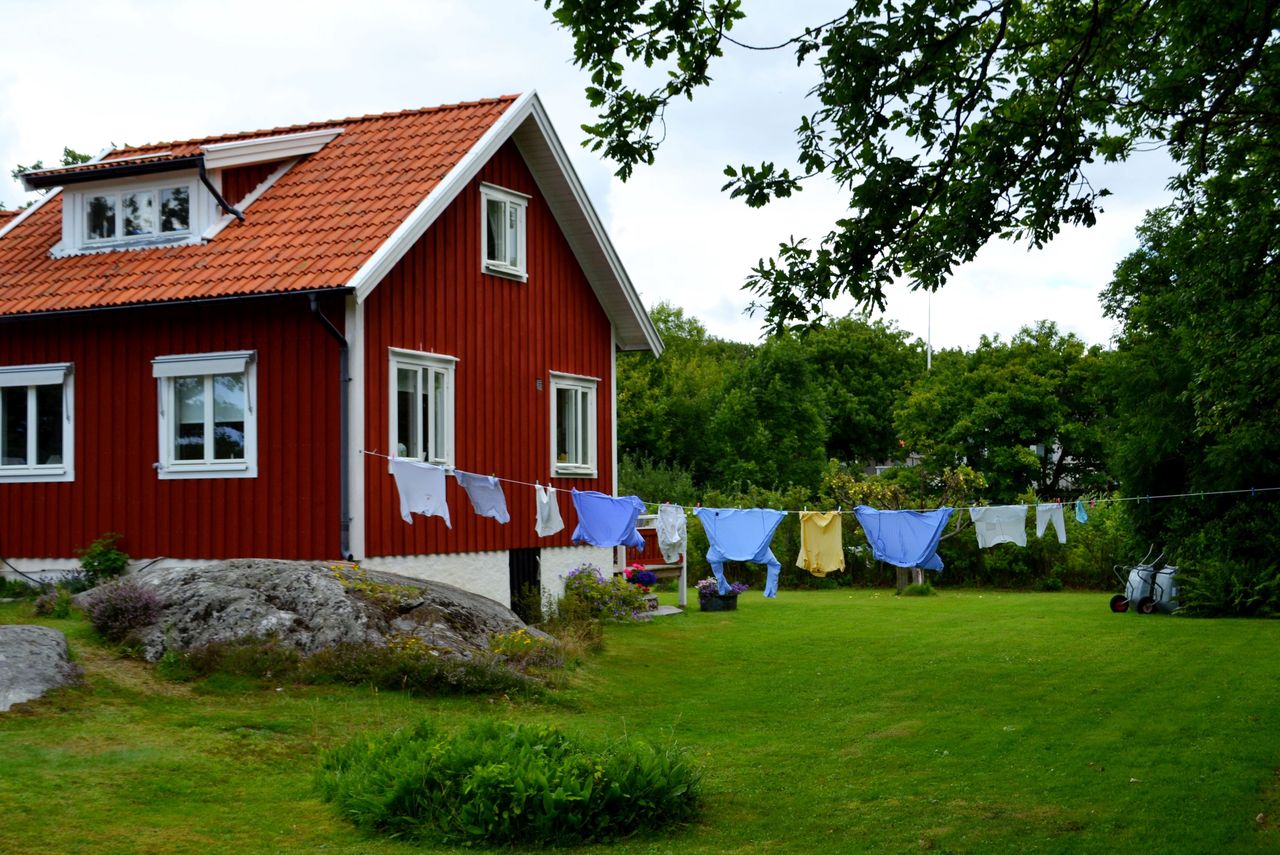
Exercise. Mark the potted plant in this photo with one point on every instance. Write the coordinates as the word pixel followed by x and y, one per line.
pixel 644 580
pixel 711 600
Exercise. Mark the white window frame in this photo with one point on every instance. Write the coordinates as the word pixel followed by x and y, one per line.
pixel 518 201
pixel 31 376
pixel 588 388
pixel 166 369
pixel 201 212
pixel 437 366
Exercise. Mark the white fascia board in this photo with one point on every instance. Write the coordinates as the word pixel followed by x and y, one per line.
pixel 430 208
pixel 264 149
pixel 597 228
pixel 39 203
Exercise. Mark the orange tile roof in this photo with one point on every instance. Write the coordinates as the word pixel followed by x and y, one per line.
pixel 313 229
pixel 5 216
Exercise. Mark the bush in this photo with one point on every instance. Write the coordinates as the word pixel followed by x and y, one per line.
pixel 505 784
pixel 118 609
pixel 101 561
pixel 588 592
pixel 55 603
pixel 1229 589
pixel 924 589
pixel 16 589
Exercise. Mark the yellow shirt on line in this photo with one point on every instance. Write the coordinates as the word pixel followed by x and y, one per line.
pixel 821 542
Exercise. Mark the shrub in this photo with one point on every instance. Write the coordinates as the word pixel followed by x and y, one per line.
pixel 16 589
pixel 1229 589
pixel 924 589
pixel 101 560
pixel 55 603
pixel 255 657
pixel 607 599
pixel 120 608
pixel 505 784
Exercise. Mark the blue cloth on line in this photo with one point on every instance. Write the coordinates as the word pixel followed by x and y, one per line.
pixel 738 534
pixel 485 493
pixel 607 520
pixel 1081 516
pixel 904 538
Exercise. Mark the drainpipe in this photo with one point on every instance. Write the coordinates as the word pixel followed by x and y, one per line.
pixel 344 428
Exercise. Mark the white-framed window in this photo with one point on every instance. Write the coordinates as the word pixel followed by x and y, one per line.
pixel 208 415
pixel 502 231
pixel 422 405
pixel 149 211
pixel 573 425
pixel 37 425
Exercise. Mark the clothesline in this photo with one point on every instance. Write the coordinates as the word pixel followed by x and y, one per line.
pixel 1092 502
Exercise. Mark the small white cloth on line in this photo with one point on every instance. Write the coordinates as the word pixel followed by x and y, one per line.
pixel 549 521
pixel 672 533
pixel 1050 512
pixel 485 493
pixel 421 488
pixel 1000 524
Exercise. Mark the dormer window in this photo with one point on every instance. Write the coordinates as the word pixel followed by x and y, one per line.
pixel 159 210
pixel 138 213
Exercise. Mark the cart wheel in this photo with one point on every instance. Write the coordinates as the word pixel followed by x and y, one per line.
pixel 1146 605
pixel 1119 603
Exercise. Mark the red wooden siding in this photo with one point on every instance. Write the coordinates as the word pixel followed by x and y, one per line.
pixel 240 181
pixel 506 335
pixel 290 510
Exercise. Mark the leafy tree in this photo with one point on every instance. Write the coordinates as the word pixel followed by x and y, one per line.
pixel 1029 415
pixel 1197 372
pixel 947 123
pixel 70 157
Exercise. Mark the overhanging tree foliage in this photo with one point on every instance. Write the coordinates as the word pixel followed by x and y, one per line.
pixel 947 123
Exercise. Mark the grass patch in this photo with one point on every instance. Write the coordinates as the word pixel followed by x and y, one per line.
pixel 826 721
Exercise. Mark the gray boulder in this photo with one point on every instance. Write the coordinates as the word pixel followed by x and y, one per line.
pixel 304 605
pixel 33 660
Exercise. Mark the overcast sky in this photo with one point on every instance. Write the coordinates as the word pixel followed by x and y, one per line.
pixel 91 74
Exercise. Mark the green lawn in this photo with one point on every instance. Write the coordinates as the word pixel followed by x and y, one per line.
pixel 830 721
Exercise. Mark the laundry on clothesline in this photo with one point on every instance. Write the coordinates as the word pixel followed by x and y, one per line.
pixel 1000 524
pixel 421 489
pixel 672 534
pixel 607 520
pixel 737 534
pixel 821 542
pixel 904 538
pixel 1081 516
pixel 548 520
pixel 1050 512
pixel 485 492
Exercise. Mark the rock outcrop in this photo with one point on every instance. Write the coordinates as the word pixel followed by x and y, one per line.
pixel 306 605
pixel 33 660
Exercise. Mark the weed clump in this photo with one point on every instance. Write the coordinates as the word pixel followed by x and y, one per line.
pixel 507 785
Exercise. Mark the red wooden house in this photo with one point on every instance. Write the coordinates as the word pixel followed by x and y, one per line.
pixel 199 340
